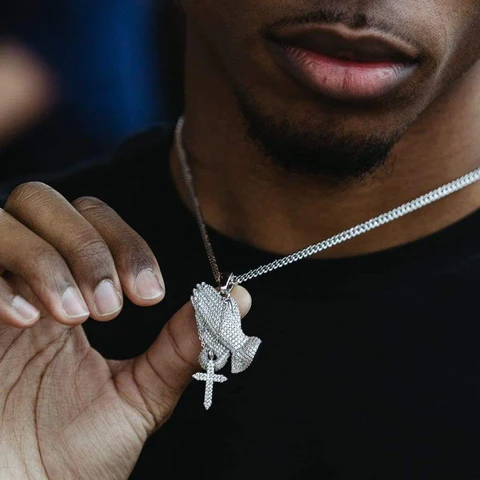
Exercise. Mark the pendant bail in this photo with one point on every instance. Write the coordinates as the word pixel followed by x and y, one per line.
pixel 227 284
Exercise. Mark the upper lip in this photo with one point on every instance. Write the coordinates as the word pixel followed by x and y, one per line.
pixel 341 41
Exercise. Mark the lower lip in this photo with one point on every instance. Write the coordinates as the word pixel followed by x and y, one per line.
pixel 339 78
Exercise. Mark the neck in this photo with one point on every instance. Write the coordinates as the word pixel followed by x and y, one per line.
pixel 247 198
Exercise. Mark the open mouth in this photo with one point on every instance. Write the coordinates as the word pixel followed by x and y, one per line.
pixel 344 64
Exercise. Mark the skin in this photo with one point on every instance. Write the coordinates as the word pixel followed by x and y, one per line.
pixel 49 247
pixel 441 120
pixel 47 357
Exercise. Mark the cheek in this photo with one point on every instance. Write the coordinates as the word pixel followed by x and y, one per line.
pixel 457 23
pixel 226 17
pixel 230 29
pixel 461 25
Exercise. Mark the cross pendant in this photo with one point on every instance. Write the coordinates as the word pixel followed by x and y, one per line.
pixel 209 378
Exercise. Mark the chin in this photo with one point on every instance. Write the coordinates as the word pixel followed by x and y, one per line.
pixel 306 133
pixel 322 147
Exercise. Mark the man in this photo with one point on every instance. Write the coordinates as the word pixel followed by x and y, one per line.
pixel 302 119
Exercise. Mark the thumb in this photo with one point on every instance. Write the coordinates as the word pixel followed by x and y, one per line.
pixel 163 372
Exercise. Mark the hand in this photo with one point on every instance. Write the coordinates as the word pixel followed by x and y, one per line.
pixel 66 412
pixel 27 88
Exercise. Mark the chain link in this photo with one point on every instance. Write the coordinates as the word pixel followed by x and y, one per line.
pixel 188 179
pixel 341 237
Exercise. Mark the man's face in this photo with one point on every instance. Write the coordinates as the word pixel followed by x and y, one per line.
pixel 352 76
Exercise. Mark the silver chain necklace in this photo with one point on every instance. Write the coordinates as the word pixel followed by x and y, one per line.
pixel 216 312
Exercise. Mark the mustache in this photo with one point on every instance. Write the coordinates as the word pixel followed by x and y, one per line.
pixel 335 15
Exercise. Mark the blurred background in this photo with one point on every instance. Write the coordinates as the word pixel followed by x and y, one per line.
pixel 77 77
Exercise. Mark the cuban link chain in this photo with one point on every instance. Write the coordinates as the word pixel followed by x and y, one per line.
pixel 216 312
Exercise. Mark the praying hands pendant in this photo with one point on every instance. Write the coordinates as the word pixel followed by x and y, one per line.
pixel 220 330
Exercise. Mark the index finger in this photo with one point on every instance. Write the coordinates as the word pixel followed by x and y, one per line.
pixel 136 265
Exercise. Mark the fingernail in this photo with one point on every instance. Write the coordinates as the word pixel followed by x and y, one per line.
pixel 26 310
pixel 147 285
pixel 73 305
pixel 107 299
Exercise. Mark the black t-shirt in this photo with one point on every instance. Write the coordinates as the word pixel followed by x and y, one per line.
pixel 369 366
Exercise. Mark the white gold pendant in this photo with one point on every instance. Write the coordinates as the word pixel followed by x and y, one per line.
pixel 209 378
pixel 220 330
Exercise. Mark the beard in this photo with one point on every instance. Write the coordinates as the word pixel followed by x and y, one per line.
pixel 339 157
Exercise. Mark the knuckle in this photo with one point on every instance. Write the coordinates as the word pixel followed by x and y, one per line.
pixel 42 262
pixel 88 204
pixel 89 248
pixel 43 254
pixel 27 194
pixel 183 361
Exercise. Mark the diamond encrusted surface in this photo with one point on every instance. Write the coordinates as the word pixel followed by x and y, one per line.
pixel 209 378
pixel 220 330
